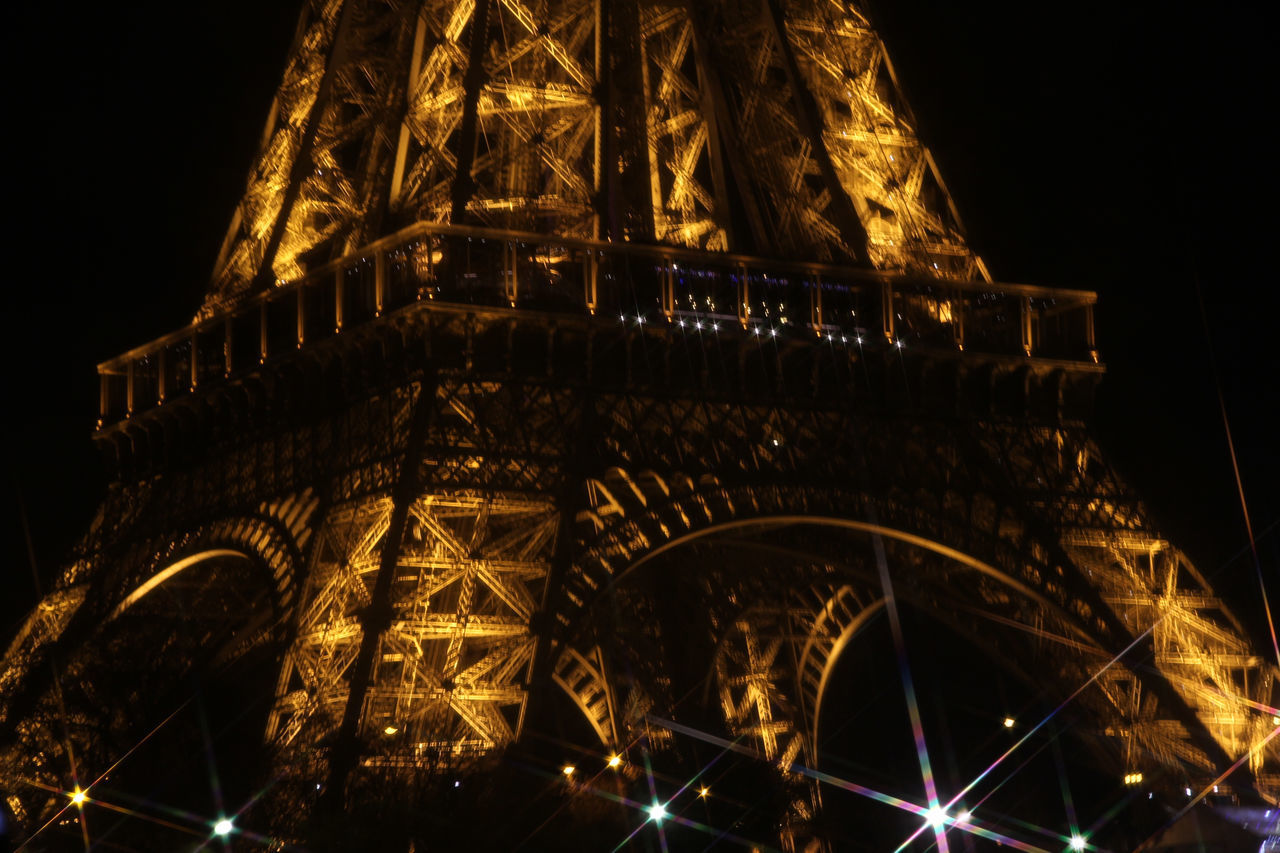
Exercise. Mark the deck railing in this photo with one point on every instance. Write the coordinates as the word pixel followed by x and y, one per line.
pixel 615 282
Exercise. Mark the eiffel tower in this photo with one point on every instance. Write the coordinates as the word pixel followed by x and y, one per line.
pixel 563 359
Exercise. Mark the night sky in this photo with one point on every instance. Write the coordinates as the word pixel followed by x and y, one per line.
pixel 1123 148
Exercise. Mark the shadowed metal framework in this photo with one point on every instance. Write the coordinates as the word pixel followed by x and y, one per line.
pixel 534 315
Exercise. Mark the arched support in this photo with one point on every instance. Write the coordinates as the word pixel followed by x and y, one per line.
pixel 173 570
pixel 582 678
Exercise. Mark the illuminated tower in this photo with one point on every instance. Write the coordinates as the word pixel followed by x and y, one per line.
pixel 530 315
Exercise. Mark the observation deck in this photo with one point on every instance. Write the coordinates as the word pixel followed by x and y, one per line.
pixel 447 267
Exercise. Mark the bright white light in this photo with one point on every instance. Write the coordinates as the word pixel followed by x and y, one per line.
pixel 615 760
pixel 773 332
pixel 657 812
pixel 703 791
pixel 963 817
pixel 78 797
pixel 937 817
pixel 1008 722
pixel 1077 842
pixel 1188 792
pixel 568 770
pixel 222 827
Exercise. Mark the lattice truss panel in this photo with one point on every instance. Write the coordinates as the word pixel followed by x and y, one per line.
pixel 1197 643
pixel 450 670
pixel 780 117
pixel 288 125
pixel 536 113
pixel 771 670
pixel 678 122
pixel 868 129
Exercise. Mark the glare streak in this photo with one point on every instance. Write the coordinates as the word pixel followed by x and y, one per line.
pixel 853 787
pixel 909 689
pixel 1037 727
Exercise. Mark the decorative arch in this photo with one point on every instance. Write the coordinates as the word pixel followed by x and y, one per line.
pixel 172 570
pixel 1026 574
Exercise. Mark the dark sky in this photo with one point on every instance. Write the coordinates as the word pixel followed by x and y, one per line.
pixel 1115 147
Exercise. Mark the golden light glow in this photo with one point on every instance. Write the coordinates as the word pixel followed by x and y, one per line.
pixel 703 792
pixel 390 730
pixel 568 770
pixel 78 797
pixel 1008 722
pixel 615 760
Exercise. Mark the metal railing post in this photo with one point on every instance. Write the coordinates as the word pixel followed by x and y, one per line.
pixel 379 282
pixel 886 310
pixel 339 288
pixel 1027 342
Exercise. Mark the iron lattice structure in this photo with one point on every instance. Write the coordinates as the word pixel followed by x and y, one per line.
pixel 534 313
